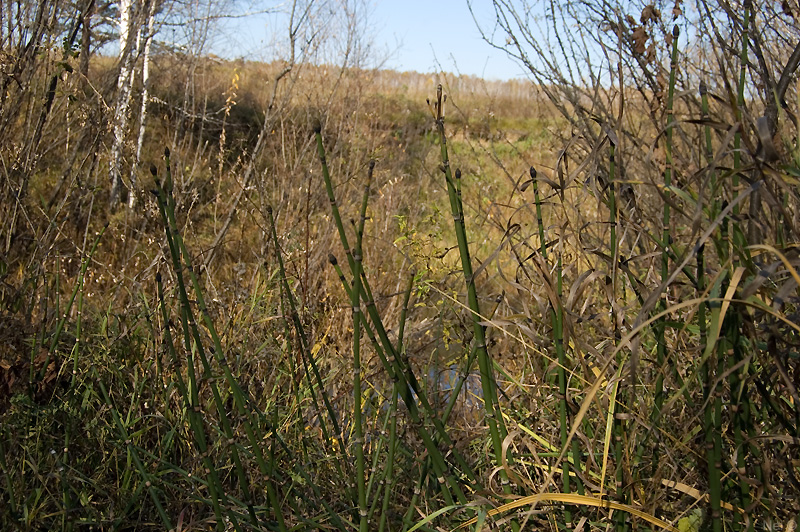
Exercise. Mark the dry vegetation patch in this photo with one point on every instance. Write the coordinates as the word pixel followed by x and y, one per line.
pixel 354 298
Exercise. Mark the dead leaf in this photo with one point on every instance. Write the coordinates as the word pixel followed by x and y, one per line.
pixel 650 13
pixel 640 40
pixel 651 53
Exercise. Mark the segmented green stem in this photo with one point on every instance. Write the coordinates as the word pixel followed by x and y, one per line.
pixel 619 415
pixel 494 419
pixel 194 343
pixel 388 479
pixel 355 301
pixel 312 373
pixel 666 239
pixel 390 359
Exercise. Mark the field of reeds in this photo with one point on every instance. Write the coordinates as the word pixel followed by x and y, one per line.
pixel 350 299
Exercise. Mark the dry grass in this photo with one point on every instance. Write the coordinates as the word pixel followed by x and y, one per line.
pixel 75 453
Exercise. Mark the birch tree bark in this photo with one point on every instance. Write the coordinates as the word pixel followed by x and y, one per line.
pixel 148 41
pixel 128 49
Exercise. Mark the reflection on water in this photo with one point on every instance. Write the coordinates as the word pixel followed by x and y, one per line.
pixel 439 384
pixel 445 381
pixel 442 383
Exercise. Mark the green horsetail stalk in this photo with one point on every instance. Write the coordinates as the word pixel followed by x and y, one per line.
pixel 493 415
pixel 191 396
pixel 666 243
pixel 312 373
pixel 392 362
pixel 623 399
pixel 557 324
pixel 355 301
pixel 193 343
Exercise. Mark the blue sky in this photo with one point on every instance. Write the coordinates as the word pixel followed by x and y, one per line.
pixel 420 35
pixel 428 31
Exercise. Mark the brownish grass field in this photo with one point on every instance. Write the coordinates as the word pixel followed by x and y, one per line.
pixel 125 403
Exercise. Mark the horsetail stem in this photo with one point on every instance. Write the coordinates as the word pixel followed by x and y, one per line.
pixel 391 360
pixel 493 416
pixel 666 239
pixel 355 301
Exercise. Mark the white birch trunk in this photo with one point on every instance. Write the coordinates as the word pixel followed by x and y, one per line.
pixel 148 40
pixel 128 43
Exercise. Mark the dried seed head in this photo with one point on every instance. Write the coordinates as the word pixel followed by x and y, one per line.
pixel 766 146
pixel 332 259
pixel 153 170
pixel 166 153
pixel 316 125
pixel 524 186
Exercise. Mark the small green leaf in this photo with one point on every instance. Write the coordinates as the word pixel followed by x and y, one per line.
pixel 692 522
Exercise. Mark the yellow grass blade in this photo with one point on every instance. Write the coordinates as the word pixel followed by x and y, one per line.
pixel 612 405
pixel 579 500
